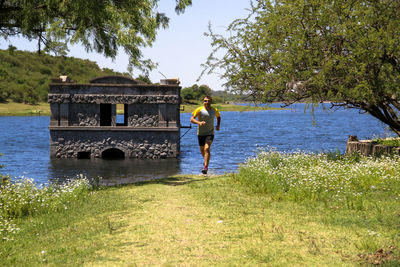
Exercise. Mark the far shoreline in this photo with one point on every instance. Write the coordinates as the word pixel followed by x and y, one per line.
pixel 43 108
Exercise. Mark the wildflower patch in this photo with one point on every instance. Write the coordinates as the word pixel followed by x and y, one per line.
pixel 22 197
pixel 346 180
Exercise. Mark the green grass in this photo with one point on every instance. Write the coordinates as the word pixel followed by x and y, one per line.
pixel 229 220
pixel 21 197
pixel 189 108
pixel 20 109
pixel 345 180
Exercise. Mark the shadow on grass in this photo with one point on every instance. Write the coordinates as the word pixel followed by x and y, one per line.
pixel 175 181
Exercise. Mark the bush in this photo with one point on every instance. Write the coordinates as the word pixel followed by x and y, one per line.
pixel 195 92
pixel 387 141
pixel 321 177
pixel 22 197
pixel 217 99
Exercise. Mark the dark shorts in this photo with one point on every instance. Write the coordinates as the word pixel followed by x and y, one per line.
pixel 205 138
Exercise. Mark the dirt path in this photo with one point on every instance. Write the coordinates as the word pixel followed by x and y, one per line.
pixel 207 222
pixel 169 221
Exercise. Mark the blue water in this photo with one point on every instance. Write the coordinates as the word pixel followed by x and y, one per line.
pixel 24 141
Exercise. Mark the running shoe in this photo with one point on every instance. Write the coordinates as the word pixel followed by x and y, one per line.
pixel 204 170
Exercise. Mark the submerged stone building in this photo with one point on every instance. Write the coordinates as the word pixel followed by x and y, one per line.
pixel 84 121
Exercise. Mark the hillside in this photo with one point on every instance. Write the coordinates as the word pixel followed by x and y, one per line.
pixel 24 76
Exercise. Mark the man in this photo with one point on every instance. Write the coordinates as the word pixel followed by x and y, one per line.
pixel 205 133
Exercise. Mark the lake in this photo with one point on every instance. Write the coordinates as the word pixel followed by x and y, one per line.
pixel 24 143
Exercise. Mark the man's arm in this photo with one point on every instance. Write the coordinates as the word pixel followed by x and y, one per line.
pixel 218 123
pixel 193 120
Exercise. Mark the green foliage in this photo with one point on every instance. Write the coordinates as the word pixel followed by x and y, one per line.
pixel 211 221
pixel 316 50
pixel 387 141
pixel 195 92
pixel 226 96
pixel 11 49
pixel 22 197
pixel 102 26
pixel 144 78
pixel 217 99
pixel 335 180
pixel 24 76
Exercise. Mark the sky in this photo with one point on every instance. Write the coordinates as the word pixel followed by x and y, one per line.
pixel 179 50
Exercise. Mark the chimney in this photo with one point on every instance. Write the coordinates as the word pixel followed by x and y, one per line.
pixel 173 81
pixel 61 79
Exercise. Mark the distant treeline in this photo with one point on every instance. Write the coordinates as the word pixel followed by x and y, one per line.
pixel 25 76
pixel 196 93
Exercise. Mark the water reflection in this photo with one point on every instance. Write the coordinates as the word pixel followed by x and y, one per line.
pixel 113 172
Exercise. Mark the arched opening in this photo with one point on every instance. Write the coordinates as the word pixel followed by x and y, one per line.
pixel 83 155
pixel 113 153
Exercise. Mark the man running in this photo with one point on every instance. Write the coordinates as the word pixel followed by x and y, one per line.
pixel 205 120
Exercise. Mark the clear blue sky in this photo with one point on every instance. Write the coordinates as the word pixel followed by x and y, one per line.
pixel 180 49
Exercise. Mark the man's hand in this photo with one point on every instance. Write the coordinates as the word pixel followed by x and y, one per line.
pixel 200 123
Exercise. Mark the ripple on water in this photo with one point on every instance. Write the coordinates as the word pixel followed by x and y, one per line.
pixel 24 141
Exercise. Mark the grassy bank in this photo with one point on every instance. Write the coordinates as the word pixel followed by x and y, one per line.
pixel 225 107
pixel 43 109
pixel 20 109
pixel 229 220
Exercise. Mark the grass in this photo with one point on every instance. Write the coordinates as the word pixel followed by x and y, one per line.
pixel 189 108
pixel 323 177
pixel 226 220
pixel 20 109
pixel 21 197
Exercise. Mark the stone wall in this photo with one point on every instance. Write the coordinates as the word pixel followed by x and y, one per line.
pixel 83 120
pixel 68 143
pixel 84 115
pixel 143 115
pixel 113 99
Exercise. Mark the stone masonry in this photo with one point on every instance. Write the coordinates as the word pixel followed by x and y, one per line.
pixel 84 121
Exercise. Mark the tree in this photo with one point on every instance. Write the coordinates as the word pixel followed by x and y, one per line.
pixel 346 52
pixel 144 78
pixel 195 92
pixel 102 25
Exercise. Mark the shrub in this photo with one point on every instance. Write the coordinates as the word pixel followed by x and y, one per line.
pixel 387 141
pixel 22 197
pixel 321 177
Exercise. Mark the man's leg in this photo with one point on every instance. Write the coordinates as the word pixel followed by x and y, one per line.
pixel 202 150
pixel 205 145
pixel 207 153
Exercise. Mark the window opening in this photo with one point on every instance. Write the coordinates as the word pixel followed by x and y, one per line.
pixel 122 115
pixel 105 114
pixel 59 114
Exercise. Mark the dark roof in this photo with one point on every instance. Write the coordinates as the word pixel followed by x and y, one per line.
pixel 115 79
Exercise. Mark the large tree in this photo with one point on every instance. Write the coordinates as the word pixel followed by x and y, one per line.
pixel 99 25
pixel 344 51
pixel 195 92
